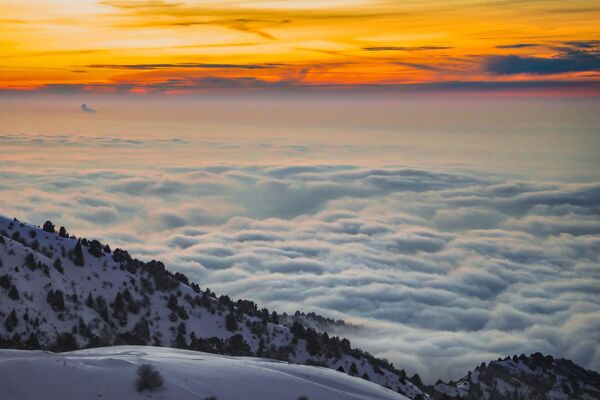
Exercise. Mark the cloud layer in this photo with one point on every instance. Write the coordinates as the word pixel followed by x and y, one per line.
pixel 440 269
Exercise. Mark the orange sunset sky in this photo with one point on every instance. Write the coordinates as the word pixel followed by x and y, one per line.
pixel 180 46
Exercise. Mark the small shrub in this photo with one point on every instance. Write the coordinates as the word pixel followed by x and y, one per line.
pixel 148 378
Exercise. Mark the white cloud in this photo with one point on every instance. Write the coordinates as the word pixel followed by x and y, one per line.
pixel 443 270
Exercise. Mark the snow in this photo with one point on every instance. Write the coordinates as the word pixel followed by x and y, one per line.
pixel 527 377
pixel 110 373
pixel 104 277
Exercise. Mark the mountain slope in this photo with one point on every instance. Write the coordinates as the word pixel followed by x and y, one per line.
pixel 524 378
pixel 110 373
pixel 62 293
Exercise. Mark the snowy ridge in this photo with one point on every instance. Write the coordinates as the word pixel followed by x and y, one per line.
pixel 61 293
pixel 536 377
pixel 110 373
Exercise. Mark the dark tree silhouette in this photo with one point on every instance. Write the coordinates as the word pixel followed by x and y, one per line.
pixel 58 265
pixel 312 345
pixel 13 293
pixel 30 262
pixel 48 227
pixel 56 300
pixel 62 232
pixel 11 321
pixel 90 301
pixel 231 322
pixel 78 255
pixel 95 248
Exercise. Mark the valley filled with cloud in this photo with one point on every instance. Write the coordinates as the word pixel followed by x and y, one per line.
pixel 436 269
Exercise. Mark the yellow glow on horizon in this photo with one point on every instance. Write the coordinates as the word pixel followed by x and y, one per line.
pixel 333 42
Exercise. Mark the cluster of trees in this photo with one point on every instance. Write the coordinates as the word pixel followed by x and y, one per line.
pixel 49 227
pixel 6 283
pixel 534 382
pixel 56 300
pixel 235 345
pixel 152 276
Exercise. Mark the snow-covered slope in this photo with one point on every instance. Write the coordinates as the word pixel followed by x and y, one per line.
pixel 536 377
pixel 62 293
pixel 110 373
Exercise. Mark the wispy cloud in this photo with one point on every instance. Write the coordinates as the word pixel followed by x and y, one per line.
pixel 183 65
pixel 518 45
pixel 425 67
pixel 406 48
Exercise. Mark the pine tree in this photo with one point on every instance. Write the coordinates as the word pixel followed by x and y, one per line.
pixel 78 255
pixel 5 281
pixel 172 303
pixel 118 305
pixel 33 342
pixel 11 321
pixel 58 265
pixel 56 300
pixel 141 332
pixel 101 307
pixel 30 262
pixel 312 345
pixel 180 342
pixel 261 348
pixel 231 322
pixel 119 310
pixel 13 293
pixel 90 301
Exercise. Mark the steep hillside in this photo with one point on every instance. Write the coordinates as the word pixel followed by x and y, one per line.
pixel 111 373
pixel 62 293
pixel 536 377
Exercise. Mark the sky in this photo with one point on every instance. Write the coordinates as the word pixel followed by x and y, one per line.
pixel 427 171
pixel 174 47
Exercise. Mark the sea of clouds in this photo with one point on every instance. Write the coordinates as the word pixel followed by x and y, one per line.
pixel 438 269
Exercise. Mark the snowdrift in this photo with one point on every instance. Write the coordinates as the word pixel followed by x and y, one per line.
pixel 111 373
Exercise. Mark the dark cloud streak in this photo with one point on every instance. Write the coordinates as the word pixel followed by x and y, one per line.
pixel 182 66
